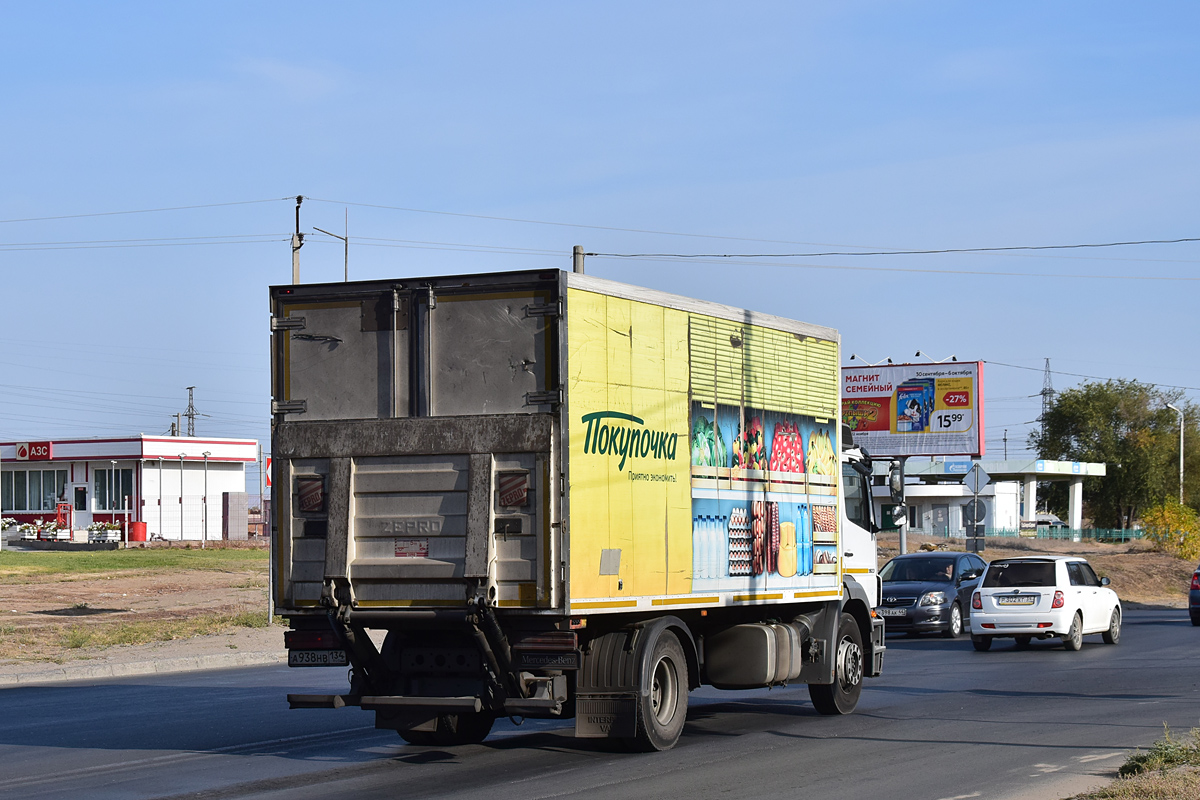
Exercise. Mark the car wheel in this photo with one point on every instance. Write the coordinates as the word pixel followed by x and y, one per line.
pixel 1113 634
pixel 981 643
pixel 662 704
pixel 955 627
pixel 841 696
pixel 1023 642
pixel 1073 639
pixel 1196 620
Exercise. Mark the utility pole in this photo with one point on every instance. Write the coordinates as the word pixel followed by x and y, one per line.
pixel 1006 444
pixel 345 241
pixel 298 242
pixel 577 259
pixel 191 413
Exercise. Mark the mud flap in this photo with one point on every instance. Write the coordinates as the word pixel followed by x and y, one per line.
pixel 875 663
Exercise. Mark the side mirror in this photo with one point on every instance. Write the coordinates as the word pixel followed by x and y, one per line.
pixel 969 575
pixel 1105 581
pixel 896 481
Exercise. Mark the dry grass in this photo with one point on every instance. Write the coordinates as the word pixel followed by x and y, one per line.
pixel 56 606
pixel 1169 770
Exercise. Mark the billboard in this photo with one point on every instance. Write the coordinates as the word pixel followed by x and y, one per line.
pixel 915 409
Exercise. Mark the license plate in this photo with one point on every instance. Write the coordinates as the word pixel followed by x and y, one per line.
pixel 892 612
pixel 317 658
pixel 1015 600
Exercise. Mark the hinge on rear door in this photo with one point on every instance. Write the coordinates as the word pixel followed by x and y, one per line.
pixel 546 310
pixel 287 323
pixel 289 407
pixel 553 397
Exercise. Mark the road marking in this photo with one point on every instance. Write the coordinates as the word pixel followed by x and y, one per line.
pixel 1097 757
pixel 962 796
pixel 1046 769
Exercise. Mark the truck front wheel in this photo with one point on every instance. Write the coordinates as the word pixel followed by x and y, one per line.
pixel 841 696
pixel 662 699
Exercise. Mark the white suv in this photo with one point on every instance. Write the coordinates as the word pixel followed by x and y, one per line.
pixel 1039 597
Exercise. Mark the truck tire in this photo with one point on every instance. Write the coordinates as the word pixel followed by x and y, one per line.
pixel 841 696
pixel 453 729
pixel 662 699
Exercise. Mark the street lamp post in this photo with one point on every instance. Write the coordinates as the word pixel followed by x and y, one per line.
pixel 160 498
pixel 204 533
pixel 1180 413
pixel 112 490
pixel 181 455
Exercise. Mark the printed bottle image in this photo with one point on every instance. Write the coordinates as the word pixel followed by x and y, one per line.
pixel 804 549
pixel 787 549
pixel 722 546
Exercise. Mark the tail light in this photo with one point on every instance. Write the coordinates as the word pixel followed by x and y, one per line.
pixel 1059 600
pixel 311 640
pixel 1195 581
pixel 976 601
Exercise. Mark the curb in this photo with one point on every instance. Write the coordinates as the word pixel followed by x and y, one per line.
pixel 78 672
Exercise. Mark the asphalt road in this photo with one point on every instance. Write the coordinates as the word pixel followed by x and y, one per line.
pixel 943 722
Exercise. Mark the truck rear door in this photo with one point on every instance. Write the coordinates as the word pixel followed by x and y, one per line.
pixel 415 441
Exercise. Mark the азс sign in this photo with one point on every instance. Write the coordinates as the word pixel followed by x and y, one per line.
pixel 915 409
pixel 35 451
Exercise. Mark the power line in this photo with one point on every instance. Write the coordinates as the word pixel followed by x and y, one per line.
pixel 895 252
pixel 1090 377
pixel 10 249
pixel 145 210
pixel 981 273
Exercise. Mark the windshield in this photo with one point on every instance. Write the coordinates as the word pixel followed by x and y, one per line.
pixel 1019 573
pixel 918 569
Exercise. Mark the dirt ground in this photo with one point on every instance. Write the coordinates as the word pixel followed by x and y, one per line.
pixel 1139 575
pixel 59 618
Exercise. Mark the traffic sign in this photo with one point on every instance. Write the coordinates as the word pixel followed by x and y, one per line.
pixel 976 479
pixel 973 512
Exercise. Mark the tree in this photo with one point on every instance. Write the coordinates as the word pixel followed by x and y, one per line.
pixel 1126 425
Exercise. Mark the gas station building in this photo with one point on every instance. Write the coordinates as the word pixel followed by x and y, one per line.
pixel 176 485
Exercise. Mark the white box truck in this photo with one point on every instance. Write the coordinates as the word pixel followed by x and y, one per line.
pixel 544 494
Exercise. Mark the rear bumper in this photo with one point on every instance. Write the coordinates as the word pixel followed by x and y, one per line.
pixel 1022 623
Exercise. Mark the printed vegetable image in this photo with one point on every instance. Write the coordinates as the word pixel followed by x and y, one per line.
pixel 749 449
pixel 708 448
pixel 787 448
pixel 821 458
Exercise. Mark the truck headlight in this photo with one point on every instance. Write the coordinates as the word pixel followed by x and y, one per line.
pixel 933 599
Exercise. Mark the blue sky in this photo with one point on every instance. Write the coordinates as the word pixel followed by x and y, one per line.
pixel 787 127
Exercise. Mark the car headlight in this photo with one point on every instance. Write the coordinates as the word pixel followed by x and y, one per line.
pixel 933 599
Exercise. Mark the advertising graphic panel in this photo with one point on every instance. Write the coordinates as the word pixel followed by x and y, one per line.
pixel 703 456
pixel 915 409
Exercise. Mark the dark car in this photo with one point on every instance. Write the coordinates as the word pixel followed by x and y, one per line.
pixel 1194 597
pixel 924 592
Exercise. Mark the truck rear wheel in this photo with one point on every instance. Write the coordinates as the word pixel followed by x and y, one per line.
pixel 453 729
pixel 662 699
pixel 841 696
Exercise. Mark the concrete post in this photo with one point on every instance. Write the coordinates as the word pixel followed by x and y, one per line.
pixel 1030 514
pixel 1075 504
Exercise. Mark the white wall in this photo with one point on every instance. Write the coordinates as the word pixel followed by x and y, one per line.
pixel 222 477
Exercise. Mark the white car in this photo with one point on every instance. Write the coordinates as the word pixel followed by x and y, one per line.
pixel 1040 597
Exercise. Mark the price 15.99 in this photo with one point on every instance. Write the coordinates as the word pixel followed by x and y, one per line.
pixel 950 421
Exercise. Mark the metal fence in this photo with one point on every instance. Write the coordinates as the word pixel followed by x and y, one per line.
pixel 1107 535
